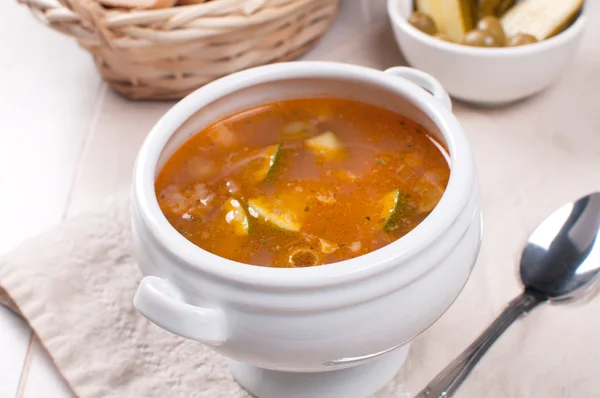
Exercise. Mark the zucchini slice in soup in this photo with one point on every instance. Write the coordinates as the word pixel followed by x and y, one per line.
pixel 236 216
pixel 267 162
pixel 392 208
pixel 269 211
pixel 297 129
pixel 327 247
pixel 326 144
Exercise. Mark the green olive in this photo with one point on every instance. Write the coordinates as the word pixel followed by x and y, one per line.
pixel 494 27
pixel 520 39
pixel 480 38
pixel 423 22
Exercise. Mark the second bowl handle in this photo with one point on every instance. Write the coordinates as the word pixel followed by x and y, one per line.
pixel 159 301
pixel 425 81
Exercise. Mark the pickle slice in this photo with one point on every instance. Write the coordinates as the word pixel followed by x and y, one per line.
pixel 268 210
pixel 540 18
pixel 453 18
pixel 495 8
pixel 392 205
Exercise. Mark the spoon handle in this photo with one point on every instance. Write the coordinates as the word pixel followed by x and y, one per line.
pixel 445 384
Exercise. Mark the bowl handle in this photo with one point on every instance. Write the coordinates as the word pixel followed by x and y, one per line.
pixel 159 301
pixel 425 81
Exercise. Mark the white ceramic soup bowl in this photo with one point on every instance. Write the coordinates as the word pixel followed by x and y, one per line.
pixel 273 323
pixel 488 76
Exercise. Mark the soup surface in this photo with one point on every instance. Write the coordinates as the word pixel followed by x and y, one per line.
pixel 302 182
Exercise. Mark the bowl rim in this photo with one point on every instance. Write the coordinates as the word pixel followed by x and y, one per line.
pixel 567 35
pixel 455 198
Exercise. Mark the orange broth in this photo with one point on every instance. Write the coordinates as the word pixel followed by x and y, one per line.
pixel 302 182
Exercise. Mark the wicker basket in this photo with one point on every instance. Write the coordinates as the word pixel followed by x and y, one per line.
pixel 167 53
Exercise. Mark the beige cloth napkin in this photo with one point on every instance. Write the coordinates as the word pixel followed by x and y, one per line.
pixel 74 284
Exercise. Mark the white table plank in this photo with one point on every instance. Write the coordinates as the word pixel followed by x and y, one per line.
pixel 365 23
pixel 375 11
pixel 107 166
pixel 49 87
pixel 14 339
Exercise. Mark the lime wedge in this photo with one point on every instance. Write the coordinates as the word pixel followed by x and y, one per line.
pixel 271 212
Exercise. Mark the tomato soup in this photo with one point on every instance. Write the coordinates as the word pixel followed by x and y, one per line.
pixel 303 182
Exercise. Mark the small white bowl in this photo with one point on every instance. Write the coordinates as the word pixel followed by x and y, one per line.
pixel 489 76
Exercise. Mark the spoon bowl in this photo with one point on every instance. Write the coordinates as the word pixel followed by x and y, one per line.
pixel 562 257
pixel 560 264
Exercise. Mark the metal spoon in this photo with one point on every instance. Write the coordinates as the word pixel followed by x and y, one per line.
pixel 559 264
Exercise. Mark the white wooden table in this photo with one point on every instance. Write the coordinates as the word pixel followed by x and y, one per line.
pixel 68 141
